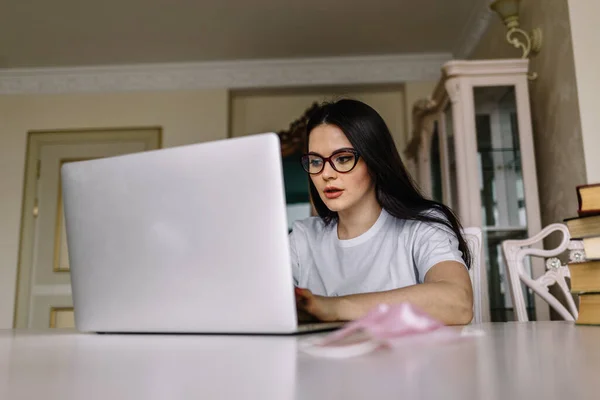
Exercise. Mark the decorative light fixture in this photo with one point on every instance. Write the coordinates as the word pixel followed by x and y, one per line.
pixel 508 10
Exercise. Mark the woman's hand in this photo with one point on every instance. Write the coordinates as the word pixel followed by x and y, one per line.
pixel 311 307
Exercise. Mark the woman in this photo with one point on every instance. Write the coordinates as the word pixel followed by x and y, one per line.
pixel 376 239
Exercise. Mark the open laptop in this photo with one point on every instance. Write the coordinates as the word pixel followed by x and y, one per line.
pixel 190 239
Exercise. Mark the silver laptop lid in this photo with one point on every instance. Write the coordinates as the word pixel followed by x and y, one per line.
pixel 185 239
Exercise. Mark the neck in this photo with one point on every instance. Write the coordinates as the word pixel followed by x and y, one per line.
pixel 356 221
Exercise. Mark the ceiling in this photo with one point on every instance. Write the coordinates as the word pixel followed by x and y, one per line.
pixel 60 33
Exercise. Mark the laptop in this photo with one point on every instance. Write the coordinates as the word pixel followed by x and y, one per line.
pixel 190 239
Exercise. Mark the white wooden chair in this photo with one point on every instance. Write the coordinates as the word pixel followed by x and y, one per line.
pixel 515 251
pixel 474 239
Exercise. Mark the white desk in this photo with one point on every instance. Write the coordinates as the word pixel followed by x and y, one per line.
pixel 551 360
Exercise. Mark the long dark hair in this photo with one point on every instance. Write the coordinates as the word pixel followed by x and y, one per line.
pixel 395 190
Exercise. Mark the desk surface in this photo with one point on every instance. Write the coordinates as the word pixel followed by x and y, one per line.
pixel 546 360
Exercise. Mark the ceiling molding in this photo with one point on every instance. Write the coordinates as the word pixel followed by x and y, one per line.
pixel 231 75
pixel 475 28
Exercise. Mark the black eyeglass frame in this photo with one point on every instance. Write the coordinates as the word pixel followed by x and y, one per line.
pixel 305 159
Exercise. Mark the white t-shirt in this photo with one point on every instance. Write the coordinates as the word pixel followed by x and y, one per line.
pixel 393 253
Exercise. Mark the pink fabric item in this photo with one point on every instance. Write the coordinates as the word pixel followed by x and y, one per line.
pixel 384 326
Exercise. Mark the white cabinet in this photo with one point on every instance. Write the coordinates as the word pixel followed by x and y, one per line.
pixel 473 148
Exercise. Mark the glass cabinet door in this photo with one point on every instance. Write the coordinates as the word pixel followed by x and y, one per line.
pixel 451 155
pixel 435 161
pixel 501 189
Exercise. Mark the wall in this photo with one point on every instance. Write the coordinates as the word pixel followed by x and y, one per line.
pixel 273 110
pixel 186 117
pixel 586 33
pixel 554 105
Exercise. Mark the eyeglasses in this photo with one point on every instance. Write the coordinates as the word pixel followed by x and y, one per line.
pixel 342 160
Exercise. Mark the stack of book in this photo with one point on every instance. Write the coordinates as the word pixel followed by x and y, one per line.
pixel 585 275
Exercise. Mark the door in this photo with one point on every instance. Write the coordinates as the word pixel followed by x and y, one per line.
pixel 44 284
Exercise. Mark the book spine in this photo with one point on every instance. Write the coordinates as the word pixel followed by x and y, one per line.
pixel 587 213
pixel 580 210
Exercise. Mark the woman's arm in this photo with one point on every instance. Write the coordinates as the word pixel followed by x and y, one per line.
pixel 446 295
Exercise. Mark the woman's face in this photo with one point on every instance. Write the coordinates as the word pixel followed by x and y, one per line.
pixel 339 191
